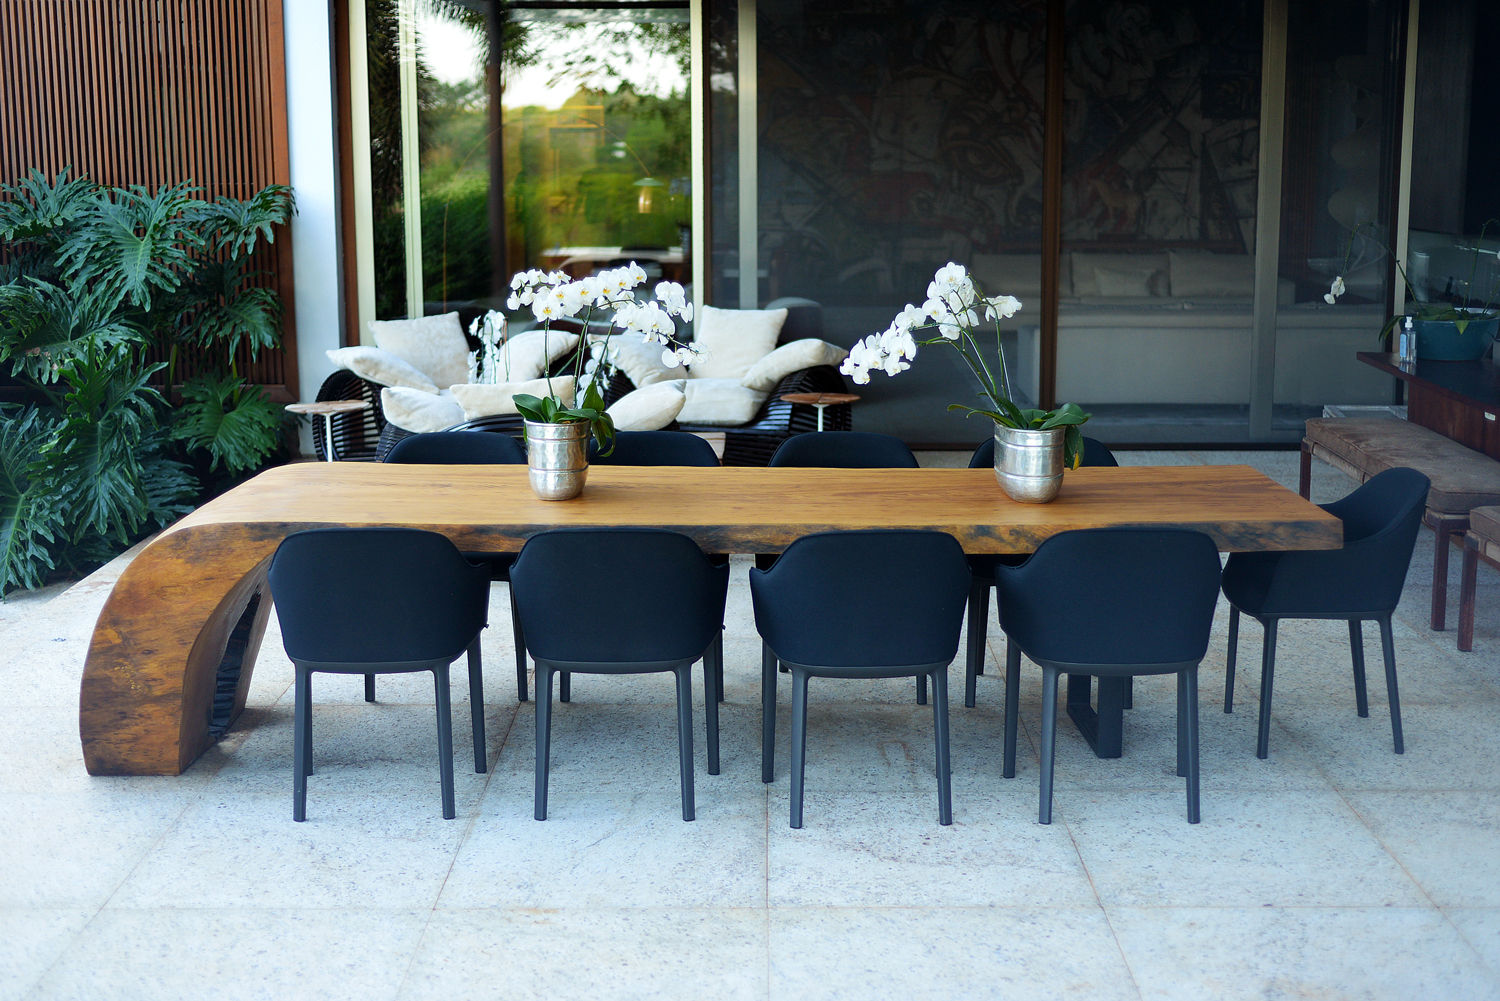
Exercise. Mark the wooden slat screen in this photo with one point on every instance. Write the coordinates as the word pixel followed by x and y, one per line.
pixel 154 92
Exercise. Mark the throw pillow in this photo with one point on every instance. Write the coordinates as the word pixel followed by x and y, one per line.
pixel 381 367
pixel 732 340
pixel 720 402
pixel 789 358
pixel 420 412
pixel 637 357
pixel 528 355
pixel 434 345
pixel 649 408
pixel 484 400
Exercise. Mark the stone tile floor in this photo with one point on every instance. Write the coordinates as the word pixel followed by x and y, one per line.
pixel 1335 869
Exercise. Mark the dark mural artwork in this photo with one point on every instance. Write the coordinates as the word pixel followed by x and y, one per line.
pixel 900 135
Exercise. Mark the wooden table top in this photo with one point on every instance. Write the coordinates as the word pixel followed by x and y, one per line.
pixel 740 509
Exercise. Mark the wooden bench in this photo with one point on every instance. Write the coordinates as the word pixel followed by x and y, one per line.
pixel 1481 542
pixel 1462 479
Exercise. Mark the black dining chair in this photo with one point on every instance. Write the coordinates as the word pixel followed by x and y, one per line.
pixel 666 624
pixel 863 604
pixel 656 448
pixel 1095 453
pixel 460 448
pixel 1109 602
pixel 379 601
pixel 844 450
pixel 1362 580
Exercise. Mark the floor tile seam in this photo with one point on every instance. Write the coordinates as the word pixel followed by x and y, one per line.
pixel 1390 853
pixel 1479 954
pixel 1114 934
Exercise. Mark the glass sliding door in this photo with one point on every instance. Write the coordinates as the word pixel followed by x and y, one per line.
pixel 893 137
pixel 1160 142
pixel 1343 85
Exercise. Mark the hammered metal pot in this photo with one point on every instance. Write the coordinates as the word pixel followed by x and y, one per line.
pixel 557 456
pixel 1029 464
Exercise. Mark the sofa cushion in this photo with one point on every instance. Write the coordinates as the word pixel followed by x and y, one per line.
pixel 418 411
pixel 732 340
pixel 528 355
pixel 1462 479
pixel 380 367
pixel 789 358
pixel 1139 275
pixel 433 345
pixel 488 399
pixel 1199 275
pixel 720 402
pixel 649 408
pixel 637 357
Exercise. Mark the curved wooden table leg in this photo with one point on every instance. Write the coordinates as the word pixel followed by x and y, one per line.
pixel 147 696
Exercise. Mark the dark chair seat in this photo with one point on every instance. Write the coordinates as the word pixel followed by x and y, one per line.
pixel 666 624
pixel 1363 580
pixel 1110 602
pixel 379 601
pixel 888 605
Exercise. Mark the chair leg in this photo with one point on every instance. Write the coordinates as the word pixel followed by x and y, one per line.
pixel 476 705
pixel 1468 580
pixel 1049 742
pixel 685 737
pixel 565 686
pixel 369 688
pixel 1388 648
pixel 1187 696
pixel 719 664
pixel 1127 694
pixel 940 740
pixel 1267 674
pixel 921 689
pixel 301 741
pixel 543 738
pixel 799 742
pixel 1182 762
pixel 712 665
pixel 979 614
pixel 445 739
pixel 515 630
pixel 1357 653
pixel 1012 705
pixel 1229 658
pixel 1443 530
pixel 767 713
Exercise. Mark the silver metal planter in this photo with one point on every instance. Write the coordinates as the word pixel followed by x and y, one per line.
pixel 1029 464
pixel 557 456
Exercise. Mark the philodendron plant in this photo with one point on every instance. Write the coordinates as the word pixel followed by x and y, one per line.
pixel 598 305
pixel 953 309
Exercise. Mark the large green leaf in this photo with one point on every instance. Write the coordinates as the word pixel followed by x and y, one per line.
pixel 35 208
pixel 234 422
pixel 224 308
pixel 30 521
pixel 234 226
pixel 43 326
pixel 135 243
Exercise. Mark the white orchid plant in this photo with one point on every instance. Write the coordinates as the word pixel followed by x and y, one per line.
pixel 955 309
pixel 555 298
pixel 1460 313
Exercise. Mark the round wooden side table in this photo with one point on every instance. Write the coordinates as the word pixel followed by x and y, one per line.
pixel 328 409
pixel 820 401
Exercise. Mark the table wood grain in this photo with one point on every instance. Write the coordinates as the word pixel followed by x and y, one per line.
pixel 198 589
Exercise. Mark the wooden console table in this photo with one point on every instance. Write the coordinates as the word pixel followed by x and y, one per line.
pixel 172 652
pixel 1457 399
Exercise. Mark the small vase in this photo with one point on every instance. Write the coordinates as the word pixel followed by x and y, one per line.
pixel 557 456
pixel 1029 464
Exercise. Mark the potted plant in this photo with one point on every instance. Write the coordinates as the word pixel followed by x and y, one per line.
pixel 1456 329
pixel 558 429
pixel 1032 446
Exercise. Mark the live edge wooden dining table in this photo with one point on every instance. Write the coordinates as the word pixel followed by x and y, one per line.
pixel 170 661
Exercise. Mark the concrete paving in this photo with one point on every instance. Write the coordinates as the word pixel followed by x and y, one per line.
pixel 1334 869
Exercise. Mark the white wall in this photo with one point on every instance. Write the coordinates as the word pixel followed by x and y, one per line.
pixel 314 164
